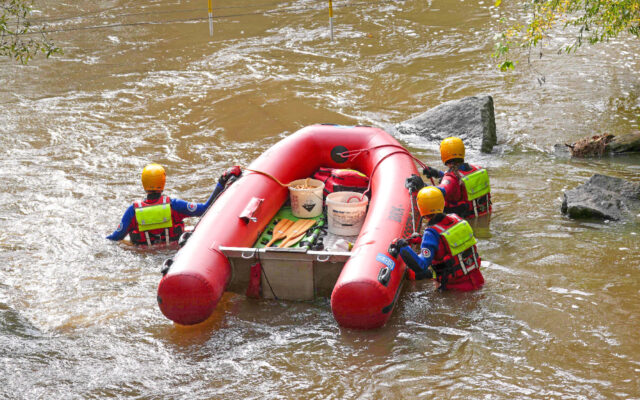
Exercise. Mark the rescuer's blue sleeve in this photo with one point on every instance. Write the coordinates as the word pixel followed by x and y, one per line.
pixel 123 227
pixel 430 244
pixel 214 195
pixel 428 249
pixel 192 209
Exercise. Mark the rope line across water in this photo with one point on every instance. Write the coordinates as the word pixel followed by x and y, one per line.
pixel 187 20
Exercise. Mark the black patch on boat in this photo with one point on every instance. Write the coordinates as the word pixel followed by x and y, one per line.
pixel 395 298
pixel 336 154
pixel 408 226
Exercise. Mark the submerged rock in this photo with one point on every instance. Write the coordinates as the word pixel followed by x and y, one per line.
pixel 471 119
pixel 599 145
pixel 590 146
pixel 603 197
pixel 561 151
pixel 629 143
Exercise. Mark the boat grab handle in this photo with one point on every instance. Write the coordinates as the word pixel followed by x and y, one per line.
pixel 321 259
pixel 183 238
pixel 249 213
pixel 249 254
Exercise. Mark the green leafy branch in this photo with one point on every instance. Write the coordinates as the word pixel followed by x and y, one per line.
pixel 19 40
pixel 595 21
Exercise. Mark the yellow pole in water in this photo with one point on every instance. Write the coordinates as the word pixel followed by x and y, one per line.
pixel 331 18
pixel 210 19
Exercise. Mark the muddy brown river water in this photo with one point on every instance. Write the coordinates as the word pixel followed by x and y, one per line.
pixel 557 319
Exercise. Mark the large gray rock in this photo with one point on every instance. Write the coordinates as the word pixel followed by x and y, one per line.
pixel 603 197
pixel 471 119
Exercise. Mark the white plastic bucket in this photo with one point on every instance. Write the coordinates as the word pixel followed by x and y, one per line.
pixel 346 212
pixel 306 203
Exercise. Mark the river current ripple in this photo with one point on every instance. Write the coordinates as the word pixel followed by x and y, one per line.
pixel 557 318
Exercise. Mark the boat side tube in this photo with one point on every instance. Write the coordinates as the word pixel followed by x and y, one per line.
pixel 368 288
pixel 365 293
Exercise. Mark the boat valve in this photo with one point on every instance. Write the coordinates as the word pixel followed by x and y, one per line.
pixel 183 238
pixel 384 275
pixel 166 265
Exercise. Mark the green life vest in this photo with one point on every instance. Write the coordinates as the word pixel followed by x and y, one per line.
pixel 154 217
pixel 477 184
pixel 459 237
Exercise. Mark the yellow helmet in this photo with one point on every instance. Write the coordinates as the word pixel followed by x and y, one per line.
pixel 430 201
pixel 450 148
pixel 153 178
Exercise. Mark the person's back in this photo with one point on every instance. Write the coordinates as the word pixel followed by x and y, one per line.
pixel 456 262
pixel 156 221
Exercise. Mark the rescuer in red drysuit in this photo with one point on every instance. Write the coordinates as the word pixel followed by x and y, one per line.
pixel 159 219
pixel 465 186
pixel 448 248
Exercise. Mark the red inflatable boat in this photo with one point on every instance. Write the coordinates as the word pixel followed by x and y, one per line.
pixel 369 285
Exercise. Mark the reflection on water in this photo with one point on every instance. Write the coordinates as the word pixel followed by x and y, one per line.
pixel 557 317
pixel 481 226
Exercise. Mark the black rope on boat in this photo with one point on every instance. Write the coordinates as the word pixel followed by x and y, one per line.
pixel 413 217
pixel 267 279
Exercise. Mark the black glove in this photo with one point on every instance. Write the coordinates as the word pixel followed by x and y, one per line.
pixel 431 172
pixel 414 183
pixel 233 171
pixel 395 246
